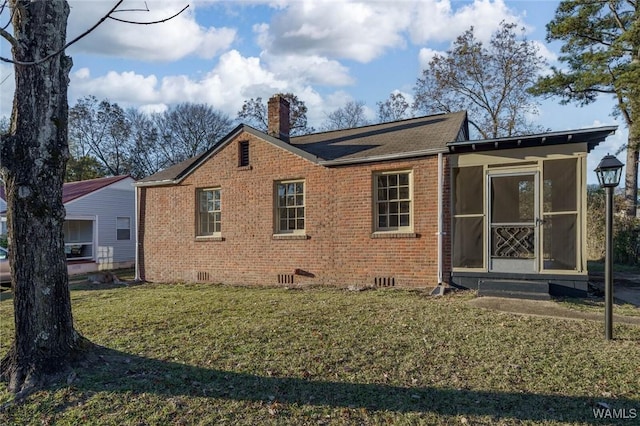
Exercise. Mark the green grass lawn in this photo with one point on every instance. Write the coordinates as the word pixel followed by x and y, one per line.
pixel 210 354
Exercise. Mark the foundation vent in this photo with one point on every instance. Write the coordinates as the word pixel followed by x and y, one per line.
pixel 384 281
pixel 204 276
pixel 285 278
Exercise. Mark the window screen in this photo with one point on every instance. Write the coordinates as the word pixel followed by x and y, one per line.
pixel 560 193
pixel 468 223
pixel 513 199
pixel 468 190
pixel 560 242
pixel 560 214
pixel 467 242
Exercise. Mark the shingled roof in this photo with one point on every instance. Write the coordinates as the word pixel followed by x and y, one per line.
pixel 410 137
pixel 399 139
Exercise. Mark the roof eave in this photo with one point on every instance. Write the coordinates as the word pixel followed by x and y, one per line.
pixel 384 157
pixel 224 142
pixel 591 136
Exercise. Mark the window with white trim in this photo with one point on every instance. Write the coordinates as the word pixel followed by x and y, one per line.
pixel 392 201
pixel 123 228
pixel 209 212
pixel 290 211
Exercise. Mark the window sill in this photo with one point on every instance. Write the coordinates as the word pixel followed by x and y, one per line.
pixel 242 168
pixel 216 238
pixel 290 237
pixel 392 234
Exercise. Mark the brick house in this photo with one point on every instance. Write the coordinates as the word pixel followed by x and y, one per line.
pixel 405 204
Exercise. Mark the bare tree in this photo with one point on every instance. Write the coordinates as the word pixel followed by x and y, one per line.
pixel 394 108
pixel 489 82
pixel 101 129
pixel 349 116
pixel 144 152
pixel 34 153
pixel 254 113
pixel 189 129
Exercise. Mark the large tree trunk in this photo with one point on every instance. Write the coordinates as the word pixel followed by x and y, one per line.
pixel 631 178
pixel 34 156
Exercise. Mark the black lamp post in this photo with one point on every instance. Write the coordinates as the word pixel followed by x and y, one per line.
pixel 609 171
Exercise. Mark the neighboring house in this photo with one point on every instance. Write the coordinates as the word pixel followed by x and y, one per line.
pixel 411 203
pixel 100 223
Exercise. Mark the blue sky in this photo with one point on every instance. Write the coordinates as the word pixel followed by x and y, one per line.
pixel 326 52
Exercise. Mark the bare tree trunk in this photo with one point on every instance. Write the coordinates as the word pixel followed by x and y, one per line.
pixel 633 147
pixel 34 155
pixel 631 179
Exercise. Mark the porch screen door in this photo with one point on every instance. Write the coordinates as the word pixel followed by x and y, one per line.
pixel 513 237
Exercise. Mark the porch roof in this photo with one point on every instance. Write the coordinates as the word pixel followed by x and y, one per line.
pixel 591 136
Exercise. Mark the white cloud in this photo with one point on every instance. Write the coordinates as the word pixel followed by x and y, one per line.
pixel 363 31
pixel 437 21
pixel 360 31
pixel 310 69
pixel 168 41
pixel 234 79
pixel 126 87
pixel 425 55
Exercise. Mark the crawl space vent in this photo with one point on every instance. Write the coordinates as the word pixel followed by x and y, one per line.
pixel 285 278
pixel 384 281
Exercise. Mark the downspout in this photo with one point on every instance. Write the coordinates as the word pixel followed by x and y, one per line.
pixel 440 218
pixel 137 277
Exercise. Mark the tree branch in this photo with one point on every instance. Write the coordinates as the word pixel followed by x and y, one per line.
pixel 150 22
pixel 81 36
pixel 114 9
pixel 3 33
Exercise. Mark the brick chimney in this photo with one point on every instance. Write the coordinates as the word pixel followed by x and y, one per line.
pixel 278 117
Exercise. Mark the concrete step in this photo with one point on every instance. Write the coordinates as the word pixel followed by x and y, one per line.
pixel 537 290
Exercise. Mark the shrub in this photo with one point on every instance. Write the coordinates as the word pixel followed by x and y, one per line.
pixel 626 230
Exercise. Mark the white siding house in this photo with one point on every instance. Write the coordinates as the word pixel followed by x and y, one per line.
pixel 99 230
pixel 100 224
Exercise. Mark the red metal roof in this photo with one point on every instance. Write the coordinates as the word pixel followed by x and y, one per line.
pixel 73 190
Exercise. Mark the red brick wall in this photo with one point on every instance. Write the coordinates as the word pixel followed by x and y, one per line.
pixel 339 249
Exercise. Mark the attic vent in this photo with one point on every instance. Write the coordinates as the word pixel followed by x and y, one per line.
pixel 243 154
pixel 204 276
pixel 384 281
pixel 285 278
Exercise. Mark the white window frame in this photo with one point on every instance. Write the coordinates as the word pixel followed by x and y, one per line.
pixel 118 228
pixel 214 209
pixel 378 202
pixel 280 209
pixel 72 244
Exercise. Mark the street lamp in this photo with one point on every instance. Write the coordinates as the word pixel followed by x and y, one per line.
pixel 609 171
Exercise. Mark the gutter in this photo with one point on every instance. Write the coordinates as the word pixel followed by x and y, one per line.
pixel 137 259
pixel 157 183
pixel 440 289
pixel 440 218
